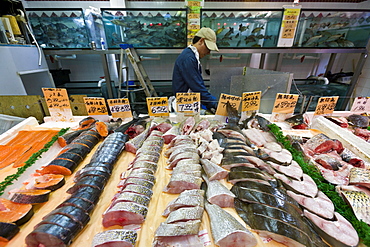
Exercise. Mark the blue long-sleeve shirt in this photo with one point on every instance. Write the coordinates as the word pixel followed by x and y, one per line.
pixel 187 74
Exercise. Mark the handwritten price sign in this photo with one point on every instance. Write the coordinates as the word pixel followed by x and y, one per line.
pixel 224 98
pixel 285 103
pixel 326 105
pixel 157 106
pixel 188 103
pixel 58 104
pixel 251 101
pixel 120 108
pixel 56 98
pixel 95 106
pixel 361 105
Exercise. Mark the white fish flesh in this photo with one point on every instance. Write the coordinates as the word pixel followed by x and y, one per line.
pixel 340 177
pixel 218 194
pixel 338 232
pixel 213 171
pixel 306 186
pixel 182 156
pixel 293 170
pixel 188 198
pixel 171 134
pixel 255 136
pixel 188 126
pixel 226 230
pixel 320 205
pixel 283 157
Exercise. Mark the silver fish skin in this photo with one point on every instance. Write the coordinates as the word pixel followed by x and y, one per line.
pixel 360 203
pixel 116 236
pixel 184 201
pixel 218 194
pixel 185 214
pixel 213 171
pixel 181 182
pixel 190 146
pixel 186 168
pixel 143 175
pixel 132 197
pixel 144 164
pixel 178 229
pixel 139 189
pixel 226 228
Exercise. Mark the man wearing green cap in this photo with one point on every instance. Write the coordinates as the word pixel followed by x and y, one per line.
pixel 187 72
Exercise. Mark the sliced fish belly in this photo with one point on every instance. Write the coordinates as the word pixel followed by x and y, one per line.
pixel 337 233
pixel 320 205
pixel 185 214
pixel 115 237
pixel 125 213
pixel 226 229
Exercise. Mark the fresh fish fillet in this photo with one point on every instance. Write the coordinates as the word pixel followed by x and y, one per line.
pixel 255 136
pixel 125 213
pixel 115 237
pixel 218 194
pixel 169 151
pixel 340 177
pixel 213 171
pixel 359 176
pixel 282 157
pixel 135 143
pixel 184 234
pixel 320 205
pixel 305 186
pixel 293 170
pixel 188 198
pixel 360 203
pixel 188 126
pixel 226 230
pixel 185 214
pixel 181 182
pixel 338 232
pixel 186 155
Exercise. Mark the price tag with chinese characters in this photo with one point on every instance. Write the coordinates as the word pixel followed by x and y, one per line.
pixel 188 103
pixel 285 103
pixel 95 106
pixel 120 108
pixel 58 104
pixel 326 105
pixel 157 106
pixel 224 98
pixel 251 101
pixel 361 105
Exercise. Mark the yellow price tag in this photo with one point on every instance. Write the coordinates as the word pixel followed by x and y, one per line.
pixel 120 108
pixel 326 105
pixel 56 98
pixel 157 106
pixel 95 106
pixel 188 102
pixel 285 103
pixel 224 98
pixel 251 101
pixel 193 16
pixel 194 3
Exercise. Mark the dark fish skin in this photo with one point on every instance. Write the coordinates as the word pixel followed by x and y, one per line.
pixel 77 214
pixel 62 221
pixel 245 168
pixel 8 230
pixel 245 175
pixel 86 205
pixel 68 137
pixel 58 235
pixel 233 116
pixel 123 128
pixel 277 226
pixel 358 120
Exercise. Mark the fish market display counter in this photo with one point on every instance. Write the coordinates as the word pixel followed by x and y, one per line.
pixel 157 204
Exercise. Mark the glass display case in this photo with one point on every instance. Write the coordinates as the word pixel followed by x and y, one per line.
pixel 145 28
pixel 243 28
pixel 333 28
pixel 59 28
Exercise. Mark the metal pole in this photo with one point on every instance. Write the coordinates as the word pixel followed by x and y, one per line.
pixel 107 75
